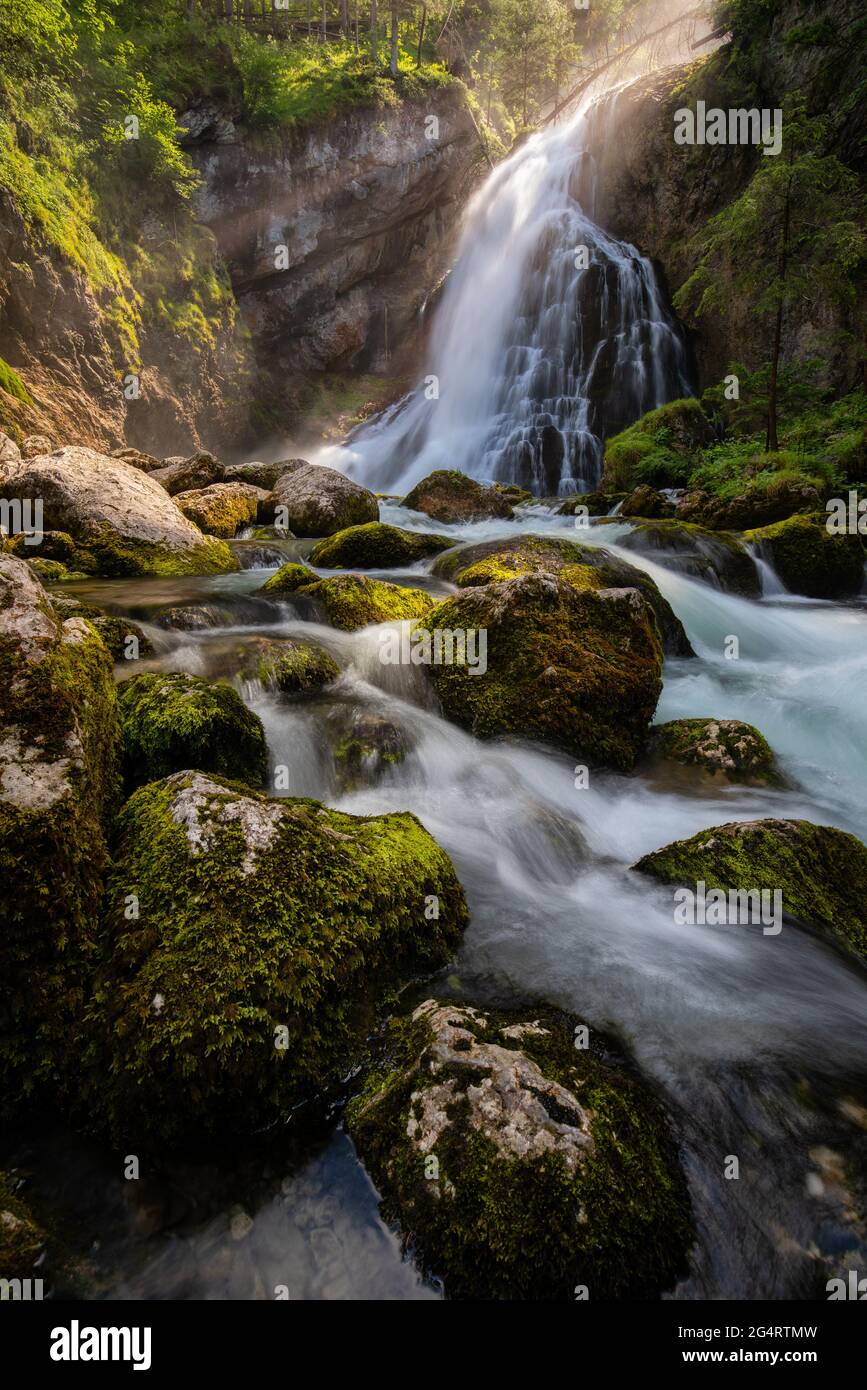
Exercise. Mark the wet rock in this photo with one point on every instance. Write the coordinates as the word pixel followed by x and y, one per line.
pixel 724 748
pixel 494 561
pixel 821 872
pixel 449 496
pixel 272 928
pixel 760 506
pixel 714 557
pixel 59 743
pixel 520 1166
pixel 376 546
pixel 568 661
pixel 173 721
pixel 597 503
pixel 646 501
pixel 293 668
pixel 350 601
pixel 317 501
pixel 118 514
pixel 222 509
pixel 811 560
pixel 364 746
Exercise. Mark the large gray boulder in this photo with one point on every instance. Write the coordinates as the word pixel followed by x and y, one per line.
pixel 118 513
pixel 320 501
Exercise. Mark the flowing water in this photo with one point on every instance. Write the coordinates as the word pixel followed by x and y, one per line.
pixel 758 1043
pixel 538 350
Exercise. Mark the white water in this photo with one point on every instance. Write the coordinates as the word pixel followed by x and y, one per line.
pixel 533 358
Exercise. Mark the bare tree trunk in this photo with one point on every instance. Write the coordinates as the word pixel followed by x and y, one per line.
pixel 374 32
pixel 421 34
pixel 771 441
pixel 344 18
pixel 324 18
pixel 356 26
pixel 394 5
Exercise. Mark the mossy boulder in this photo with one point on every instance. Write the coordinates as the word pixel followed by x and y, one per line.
pixel 57 546
pixel 316 501
pixel 59 782
pixel 376 546
pixel 118 514
pixel 268 930
pixel 115 632
pixel 293 668
pixel 449 496
pixel 646 501
pixel 576 667
pixel 499 560
pixel 172 721
pixel 22 1238
pixel 520 1166
pixel 364 746
pixel 726 749
pixel 811 560
pixel 821 872
pixel 350 601
pixel 756 506
pixel 222 509
pixel 714 557
pixel 657 449
pixel 596 503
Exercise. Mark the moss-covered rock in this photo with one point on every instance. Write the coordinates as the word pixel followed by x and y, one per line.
pixel 59 745
pixel 364 746
pixel 498 560
pixel 449 496
pixel 646 501
pixel 520 1166
pixel 222 509
pixel 350 601
pixel 756 506
pixel 316 501
pixel 115 632
pixel 376 546
pixel 293 668
pixel 811 560
pixel 579 667
pixel 596 503
pixel 821 872
pixel 267 931
pixel 173 721
pixel 714 557
pixel 657 449
pixel 724 748
pixel 53 572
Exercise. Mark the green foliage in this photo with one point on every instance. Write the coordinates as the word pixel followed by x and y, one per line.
pixel 11 383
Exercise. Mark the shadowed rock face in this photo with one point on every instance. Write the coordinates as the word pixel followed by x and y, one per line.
pixel 363 207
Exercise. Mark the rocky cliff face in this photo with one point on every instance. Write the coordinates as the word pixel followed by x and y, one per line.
pixel 336 236
pixel 364 206
pixel 657 194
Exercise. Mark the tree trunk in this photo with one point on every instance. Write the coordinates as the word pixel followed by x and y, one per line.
pixel 771 441
pixel 324 19
pixel 421 34
pixel 394 4
pixel 227 9
pixel 344 18
pixel 374 32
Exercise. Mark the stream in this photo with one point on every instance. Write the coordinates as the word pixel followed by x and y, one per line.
pixel 758 1044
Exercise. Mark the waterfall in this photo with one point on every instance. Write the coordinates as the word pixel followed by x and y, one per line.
pixel 549 336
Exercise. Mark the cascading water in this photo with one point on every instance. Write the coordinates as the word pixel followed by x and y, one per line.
pixel 550 335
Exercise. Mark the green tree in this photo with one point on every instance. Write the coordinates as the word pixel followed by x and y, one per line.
pixel 534 45
pixel 795 236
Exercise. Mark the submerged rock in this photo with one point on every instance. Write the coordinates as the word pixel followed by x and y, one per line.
pixel 714 557
pixel 821 872
pixel 293 668
pixel 519 1166
pixel 376 546
pixel 576 667
pixel 811 560
pixel 173 721
pixel 449 496
pixel 364 746
pixel 268 930
pixel 316 501
pixel 124 519
pixel 724 748
pixel 493 561
pixel 223 508
pixel 350 601
pixel 59 744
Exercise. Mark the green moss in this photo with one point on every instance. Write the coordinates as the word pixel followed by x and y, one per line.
pixel 809 559
pixel 220 510
pixel 351 601
pixel 175 721
pixel 712 556
pixel 11 383
pixel 289 578
pixel 723 747
pixel 657 448
pixel 574 667
pixel 376 546
pixel 294 668
pixel 120 557
pixel 450 496
pixel 273 914
pixel 60 734
pixel 498 1226
pixel 821 872
pixel 597 503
